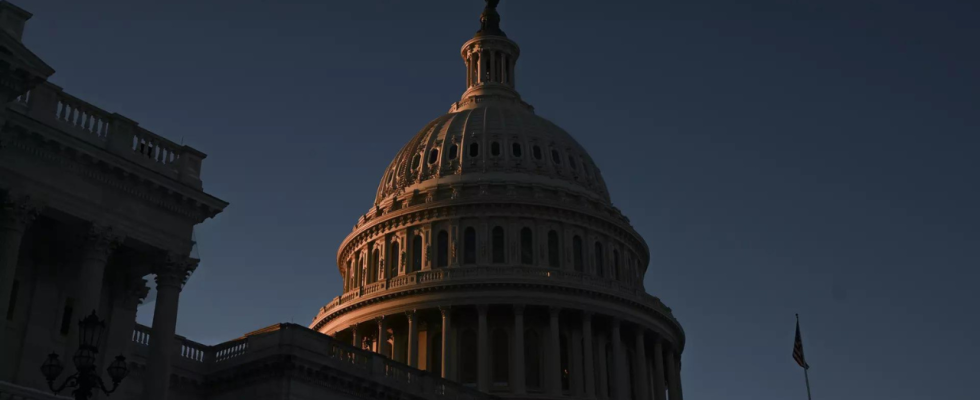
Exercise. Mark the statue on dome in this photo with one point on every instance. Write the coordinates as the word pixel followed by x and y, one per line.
pixel 490 20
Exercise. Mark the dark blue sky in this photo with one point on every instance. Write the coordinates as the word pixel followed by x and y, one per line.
pixel 779 157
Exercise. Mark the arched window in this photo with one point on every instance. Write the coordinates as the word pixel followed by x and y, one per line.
pixel 394 258
pixel 527 246
pixel 497 238
pixel 532 359
pixel 564 360
pixel 417 253
pixel 376 271
pixel 442 257
pixel 474 150
pixel 615 271
pixel 452 152
pixel 577 256
pixel 468 360
pixel 501 357
pixel 516 147
pixel 469 246
pixel 495 149
pixel 433 156
pixel 599 268
pixel 536 151
pixel 357 270
pixel 554 256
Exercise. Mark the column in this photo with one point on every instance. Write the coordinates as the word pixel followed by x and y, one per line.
pixel 356 339
pixel 447 336
pixel 413 339
pixel 673 376
pixel 101 241
pixel 479 66
pixel 517 364
pixel 640 365
pixel 554 358
pixel 588 361
pixel 503 68
pixel 383 347
pixel 620 391
pixel 483 350
pixel 659 392
pixel 603 369
pixel 493 67
pixel 122 320
pixel 171 274
pixel 15 216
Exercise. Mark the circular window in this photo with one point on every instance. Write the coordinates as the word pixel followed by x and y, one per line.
pixel 555 156
pixel 433 156
pixel 517 150
pixel 536 151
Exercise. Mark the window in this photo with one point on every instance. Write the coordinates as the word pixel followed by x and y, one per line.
pixel 469 246
pixel 442 258
pixel 376 271
pixel 553 254
pixel 417 253
pixel 394 258
pixel 474 150
pixel 66 316
pixel 495 149
pixel 527 246
pixel 598 259
pixel 536 151
pixel 555 156
pixel 578 258
pixel 415 161
pixel 433 156
pixel 532 360
pixel 516 148
pixel 467 359
pixel 571 161
pixel 497 238
pixel 452 152
pixel 500 365
pixel 615 271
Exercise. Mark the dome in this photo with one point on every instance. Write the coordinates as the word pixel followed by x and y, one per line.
pixel 497 142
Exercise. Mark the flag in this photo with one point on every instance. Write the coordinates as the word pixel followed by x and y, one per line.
pixel 798 348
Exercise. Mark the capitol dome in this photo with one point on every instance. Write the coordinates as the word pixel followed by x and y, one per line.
pixel 493 257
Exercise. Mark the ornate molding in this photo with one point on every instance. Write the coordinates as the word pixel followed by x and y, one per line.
pixel 101 241
pixel 17 212
pixel 173 270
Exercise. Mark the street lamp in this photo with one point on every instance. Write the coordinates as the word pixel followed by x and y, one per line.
pixel 85 380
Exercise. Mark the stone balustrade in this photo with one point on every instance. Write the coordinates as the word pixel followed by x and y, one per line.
pixel 50 105
pixel 14 392
pixel 307 345
pixel 495 274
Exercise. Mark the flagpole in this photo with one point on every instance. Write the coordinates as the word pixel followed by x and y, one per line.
pixel 806 374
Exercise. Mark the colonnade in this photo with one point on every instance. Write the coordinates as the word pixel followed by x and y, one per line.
pixel 488 65
pixel 17 213
pixel 528 349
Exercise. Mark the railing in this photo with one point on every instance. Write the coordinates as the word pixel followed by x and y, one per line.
pixel 453 275
pixel 15 392
pixel 229 350
pixel 141 335
pixel 193 351
pixel 49 104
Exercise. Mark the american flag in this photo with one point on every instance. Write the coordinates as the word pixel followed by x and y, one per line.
pixel 798 348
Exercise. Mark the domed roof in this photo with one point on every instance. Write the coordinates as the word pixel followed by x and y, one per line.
pixel 495 142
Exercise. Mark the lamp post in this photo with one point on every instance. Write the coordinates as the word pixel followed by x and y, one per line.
pixel 86 379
